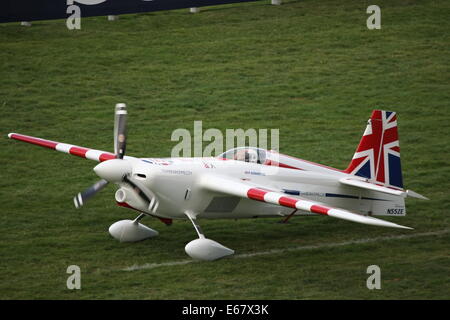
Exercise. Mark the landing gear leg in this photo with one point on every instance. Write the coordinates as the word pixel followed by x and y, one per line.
pixel 196 226
pixel 139 217
pixel 203 248
pixel 285 220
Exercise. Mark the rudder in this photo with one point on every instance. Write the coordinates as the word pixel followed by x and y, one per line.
pixel 377 157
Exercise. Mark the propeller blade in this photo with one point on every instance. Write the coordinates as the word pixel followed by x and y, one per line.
pixel 81 198
pixel 120 127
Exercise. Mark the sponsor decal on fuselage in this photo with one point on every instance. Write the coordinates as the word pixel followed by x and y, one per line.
pixel 255 173
pixel 159 162
pixel 178 172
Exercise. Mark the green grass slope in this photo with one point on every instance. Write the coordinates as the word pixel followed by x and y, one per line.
pixel 310 68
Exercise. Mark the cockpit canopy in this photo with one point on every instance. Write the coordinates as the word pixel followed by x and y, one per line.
pixel 247 154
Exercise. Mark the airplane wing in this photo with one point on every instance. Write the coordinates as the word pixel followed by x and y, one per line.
pixel 244 189
pixel 87 153
pixel 374 187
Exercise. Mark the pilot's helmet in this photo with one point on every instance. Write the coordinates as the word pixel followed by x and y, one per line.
pixel 251 155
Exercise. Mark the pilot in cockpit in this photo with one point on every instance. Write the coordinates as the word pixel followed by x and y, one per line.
pixel 247 155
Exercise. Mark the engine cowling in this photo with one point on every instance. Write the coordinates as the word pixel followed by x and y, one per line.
pixel 131 198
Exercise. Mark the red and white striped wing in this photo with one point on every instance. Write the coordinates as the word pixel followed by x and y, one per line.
pixel 87 153
pixel 244 190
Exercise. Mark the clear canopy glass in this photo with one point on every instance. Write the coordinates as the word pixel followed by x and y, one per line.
pixel 247 154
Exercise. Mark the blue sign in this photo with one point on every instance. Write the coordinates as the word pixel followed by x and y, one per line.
pixel 31 10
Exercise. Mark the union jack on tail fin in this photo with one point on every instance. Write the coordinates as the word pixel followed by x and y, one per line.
pixel 377 157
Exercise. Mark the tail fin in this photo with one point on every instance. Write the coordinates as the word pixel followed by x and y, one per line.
pixel 378 154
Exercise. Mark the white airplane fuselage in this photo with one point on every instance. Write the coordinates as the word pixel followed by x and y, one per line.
pixel 246 182
pixel 177 183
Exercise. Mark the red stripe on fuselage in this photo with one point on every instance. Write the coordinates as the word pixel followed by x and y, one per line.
pixel 166 221
pixel 309 162
pixel 281 165
pixel 125 205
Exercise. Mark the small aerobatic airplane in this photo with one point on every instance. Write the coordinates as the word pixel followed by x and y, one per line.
pixel 247 182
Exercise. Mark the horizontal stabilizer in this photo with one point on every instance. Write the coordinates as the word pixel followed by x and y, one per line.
pixel 413 194
pixel 371 186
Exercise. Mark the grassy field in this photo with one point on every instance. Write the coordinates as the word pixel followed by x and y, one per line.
pixel 310 68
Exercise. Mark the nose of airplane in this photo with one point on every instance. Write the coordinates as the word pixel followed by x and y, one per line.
pixel 113 170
